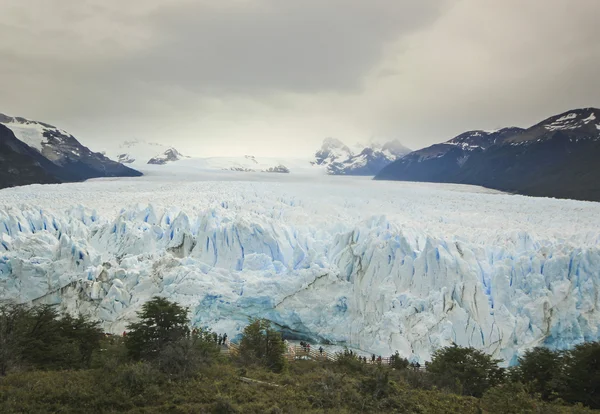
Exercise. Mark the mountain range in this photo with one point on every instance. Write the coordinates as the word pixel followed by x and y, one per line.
pixel 557 157
pixel 334 158
pixel 35 152
pixel 340 159
pixel 141 152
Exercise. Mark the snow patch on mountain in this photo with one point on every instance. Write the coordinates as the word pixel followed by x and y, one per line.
pixel 32 133
pixel 375 265
pixel 481 139
pixel 571 121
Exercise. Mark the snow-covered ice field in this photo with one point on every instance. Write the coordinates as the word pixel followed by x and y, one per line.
pixel 380 266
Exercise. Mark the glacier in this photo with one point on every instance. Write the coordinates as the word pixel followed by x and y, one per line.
pixel 378 266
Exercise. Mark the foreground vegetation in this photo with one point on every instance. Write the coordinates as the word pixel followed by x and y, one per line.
pixel 54 363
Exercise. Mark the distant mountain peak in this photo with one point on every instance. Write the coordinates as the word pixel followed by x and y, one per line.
pixel 331 150
pixel 331 142
pixel 170 155
pixel 340 159
pixel 578 124
pixel 140 152
pixel 574 119
pixel 396 147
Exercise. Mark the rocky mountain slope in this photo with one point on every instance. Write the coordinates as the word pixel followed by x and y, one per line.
pixel 36 152
pixel 557 157
pixel 339 159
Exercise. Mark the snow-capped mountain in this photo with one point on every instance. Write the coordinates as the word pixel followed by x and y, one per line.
pixel 339 159
pixel 557 157
pixel 473 140
pixel 578 124
pixel 53 153
pixel 170 155
pixel 139 152
pixel 378 266
pixel 332 150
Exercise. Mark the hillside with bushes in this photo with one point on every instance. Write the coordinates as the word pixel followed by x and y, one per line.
pixel 60 363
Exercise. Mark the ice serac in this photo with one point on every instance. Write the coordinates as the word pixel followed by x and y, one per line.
pixel 378 283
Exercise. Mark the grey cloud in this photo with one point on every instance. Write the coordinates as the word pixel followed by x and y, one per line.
pixel 303 46
pixel 254 74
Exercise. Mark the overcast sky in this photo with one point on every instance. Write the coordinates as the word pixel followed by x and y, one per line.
pixel 275 77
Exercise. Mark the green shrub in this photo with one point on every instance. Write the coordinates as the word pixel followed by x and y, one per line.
pixel 160 324
pixel 465 369
pixel 581 378
pixel 39 337
pixel 183 358
pixel 397 362
pixel 542 370
pixel 261 344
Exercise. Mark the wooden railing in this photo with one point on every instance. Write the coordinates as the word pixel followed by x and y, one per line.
pixel 295 352
pixel 231 348
pixel 300 352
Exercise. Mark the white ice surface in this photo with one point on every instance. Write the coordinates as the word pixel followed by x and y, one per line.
pixel 380 266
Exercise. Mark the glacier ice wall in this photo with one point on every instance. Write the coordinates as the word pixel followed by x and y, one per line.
pixel 379 282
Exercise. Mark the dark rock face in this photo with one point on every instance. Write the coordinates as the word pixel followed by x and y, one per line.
pixel 339 159
pixel 21 165
pixel 556 158
pixel 169 155
pixel 50 155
